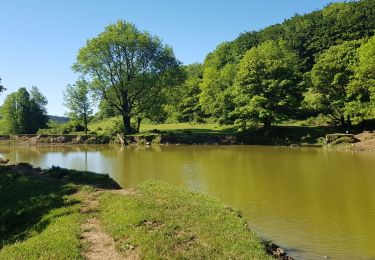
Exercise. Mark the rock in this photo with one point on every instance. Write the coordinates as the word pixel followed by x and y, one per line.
pixel 331 138
pixel 120 139
pixel 61 139
pixel 276 251
pixel 78 139
pixel 4 160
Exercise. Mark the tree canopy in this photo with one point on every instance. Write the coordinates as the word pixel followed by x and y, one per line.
pixel 128 68
pixel 362 86
pixel 77 100
pixel 24 112
pixel 1 87
pixel 268 85
pixel 331 76
pixel 322 48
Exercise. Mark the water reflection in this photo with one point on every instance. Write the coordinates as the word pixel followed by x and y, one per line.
pixel 317 201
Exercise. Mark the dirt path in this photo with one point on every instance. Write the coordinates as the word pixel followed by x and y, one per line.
pixel 97 244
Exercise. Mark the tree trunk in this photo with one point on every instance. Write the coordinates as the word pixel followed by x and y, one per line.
pixel 342 120
pixel 267 123
pixel 139 120
pixel 127 125
pixel 349 121
pixel 85 122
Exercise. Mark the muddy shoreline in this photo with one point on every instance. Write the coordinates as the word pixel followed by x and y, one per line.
pixel 363 142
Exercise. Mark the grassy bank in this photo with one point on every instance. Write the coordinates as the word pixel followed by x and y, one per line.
pixel 106 131
pixel 107 124
pixel 176 223
pixel 64 214
pixel 186 133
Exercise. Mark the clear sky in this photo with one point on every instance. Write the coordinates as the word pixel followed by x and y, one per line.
pixel 39 39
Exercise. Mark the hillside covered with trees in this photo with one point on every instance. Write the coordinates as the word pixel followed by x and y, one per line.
pixel 318 63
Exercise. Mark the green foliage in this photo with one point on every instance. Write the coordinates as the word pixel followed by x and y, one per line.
pixel 362 87
pixel 117 127
pixel 1 87
pixel 331 76
pixel 309 37
pixel 219 70
pixel 62 128
pixel 342 140
pixel 24 112
pixel 105 111
pixel 127 68
pixel 183 105
pixel 316 50
pixel 268 85
pixel 112 126
pixel 77 100
pixel 216 97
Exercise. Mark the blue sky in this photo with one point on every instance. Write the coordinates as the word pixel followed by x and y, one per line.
pixel 39 39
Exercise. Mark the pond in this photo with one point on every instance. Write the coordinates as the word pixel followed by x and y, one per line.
pixel 313 202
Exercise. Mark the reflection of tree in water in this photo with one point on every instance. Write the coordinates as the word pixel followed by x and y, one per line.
pixel 35 154
pixel 21 154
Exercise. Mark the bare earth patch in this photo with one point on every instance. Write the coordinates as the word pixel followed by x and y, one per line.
pixel 126 192
pixel 98 244
pixel 367 142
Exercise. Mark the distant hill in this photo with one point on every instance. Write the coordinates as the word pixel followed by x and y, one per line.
pixel 58 119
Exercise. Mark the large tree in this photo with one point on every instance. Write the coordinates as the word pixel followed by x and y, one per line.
pixel 268 84
pixel 189 108
pixel 219 71
pixel 331 76
pixel 77 99
pixel 362 87
pixel 127 68
pixel 24 112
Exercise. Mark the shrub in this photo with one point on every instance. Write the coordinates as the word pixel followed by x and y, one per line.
pixel 117 128
pixel 343 140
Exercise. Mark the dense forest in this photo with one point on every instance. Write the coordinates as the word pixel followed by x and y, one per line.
pixel 318 66
pixel 319 63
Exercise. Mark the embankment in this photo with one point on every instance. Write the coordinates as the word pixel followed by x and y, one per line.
pixel 67 214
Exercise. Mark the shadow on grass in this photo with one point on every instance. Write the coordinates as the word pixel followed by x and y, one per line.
pixel 27 194
pixel 287 135
pixel 201 131
pixel 276 135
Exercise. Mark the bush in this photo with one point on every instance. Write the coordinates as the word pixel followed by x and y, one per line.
pixel 61 128
pixel 343 140
pixel 117 128
pixel 319 120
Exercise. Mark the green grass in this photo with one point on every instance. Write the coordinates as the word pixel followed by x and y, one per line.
pixel 57 240
pixel 164 222
pixel 297 132
pixel 39 213
pixel 172 127
pixel 39 219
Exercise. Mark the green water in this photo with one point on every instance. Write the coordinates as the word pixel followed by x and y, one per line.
pixel 313 202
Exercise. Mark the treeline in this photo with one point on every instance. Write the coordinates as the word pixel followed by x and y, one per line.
pixel 24 112
pixel 318 63
pixel 321 63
